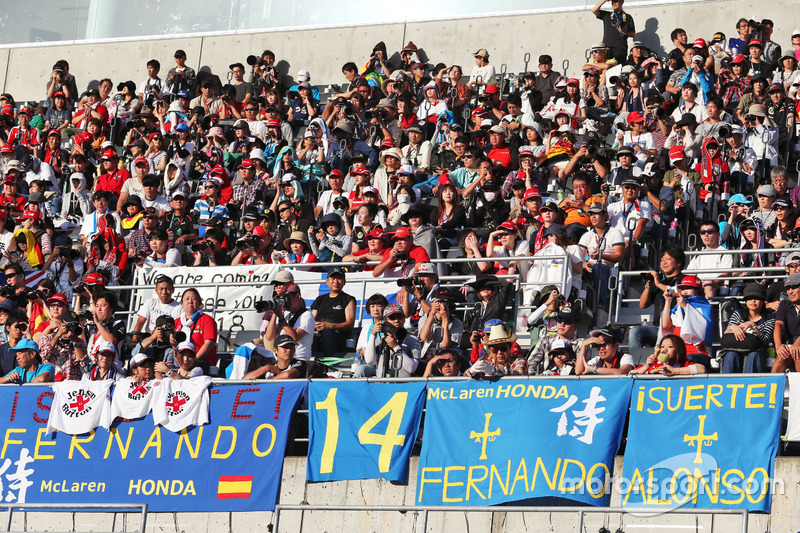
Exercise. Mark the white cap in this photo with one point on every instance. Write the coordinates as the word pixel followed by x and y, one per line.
pixel 486 122
pixel 303 75
pixel 796 32
pixel 105 346
pixel 695 59
pixel 559 344
pixel 139 358
pixel 425 268
pixel 186 345
pixel 367 189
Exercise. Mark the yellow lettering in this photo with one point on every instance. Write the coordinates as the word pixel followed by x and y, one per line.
pixel 669 397
pixel 113 435
pixel 690 493
pixel 162 486
pixel 533 390
pixel 733 487
pixel 154 441
pixel 658 401
pixel 220 429
pixel 713 493
pixel 590 479
pixel 562 392
pixel 184 438
pixel 148 487
pixel 712 391
pixel 190 488
pixel 76 442
pixel 690 397
pixel 7 440
pixel 273 433
pixel 573 486
pixel 40 442
pixel 734 389
pixel 424 480
pixel 503 390
pixel 751 395
pixel 447 484
pixel 635 488
pixel 496 474
pixel 134 485
pixel 764 485
pixel 433 393
pixel 551 482
pixel 471 480
pixel 47 486
pixel 640 399
pixel 480 394
pixel 524 469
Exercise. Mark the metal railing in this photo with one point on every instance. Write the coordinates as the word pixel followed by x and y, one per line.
pixel 427 509
pixel 76 507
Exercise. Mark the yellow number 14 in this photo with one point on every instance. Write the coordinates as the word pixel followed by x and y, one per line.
pixel 395 408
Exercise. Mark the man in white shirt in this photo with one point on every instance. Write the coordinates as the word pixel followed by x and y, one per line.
pixel 605 247
pixel 160 305
pixel 483 72
pixel 709 234
pixel 630 216
pixel 294 320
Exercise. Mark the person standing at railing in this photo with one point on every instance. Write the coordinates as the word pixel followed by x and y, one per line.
pixel 787 328
pixel 602 248
pixel 334 315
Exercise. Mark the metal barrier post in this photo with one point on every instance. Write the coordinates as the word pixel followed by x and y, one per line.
pixel 580 522
pixel 425 521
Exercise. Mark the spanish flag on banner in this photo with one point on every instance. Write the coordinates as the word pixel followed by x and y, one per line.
pixel 231 487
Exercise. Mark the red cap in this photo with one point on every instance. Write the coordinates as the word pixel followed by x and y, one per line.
pixel 27 214
pixel 83 138
pixel 7 109
pixel 360 172
pixel 141 160
pixel 218 171
pixel 274 122
pixel 444 179
pixel 402 233
pixel 635 116
pixel 59 93
pixel 376 233
pixel 54 132
pixel 491 89
pixel 574 81
pixel 109 154
pixel 387 143
pixel 6 149
pixel 247 163
pixel 154 134
pixel 58 298
pixel 507 226
pixel 27 110
pixel 676 153
pixel 479 112
pixel 699 43
pixel 532 193
pixel 335 173
pixel 738 58
pixel 95 278
pixel 691 281
pixel 9 180
pixel 258 231
pixel 755 42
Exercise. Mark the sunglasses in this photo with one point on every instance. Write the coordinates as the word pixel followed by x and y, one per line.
pixel 630 187
pixel 791 287
pixel 446 361
pixel 707 231
pixel 21 326
pixel 603 345
pixel 564 321
pixel 9 276
pixel 250 109
pixel 500 347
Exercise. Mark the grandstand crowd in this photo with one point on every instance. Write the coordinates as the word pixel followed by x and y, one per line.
pixel 626 165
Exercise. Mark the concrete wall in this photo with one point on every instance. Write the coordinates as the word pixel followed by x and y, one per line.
pixel 322 51
pixel 784 518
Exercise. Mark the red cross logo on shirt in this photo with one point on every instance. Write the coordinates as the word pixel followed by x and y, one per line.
pixel 139 389
pixel 176 403
pixel 80 403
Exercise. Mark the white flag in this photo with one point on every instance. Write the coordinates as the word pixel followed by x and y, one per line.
pixel 133 399
pixel 180 403
pixel 793 425
pixel 80 406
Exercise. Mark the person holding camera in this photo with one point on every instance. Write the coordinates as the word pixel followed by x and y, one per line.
pixel 690 319
pixel 104 327
pixel 64 266
pixel 390 351
pixel 61 342
pixel 209 251
pixel 265 73
pixel 158 344
pixel 61 80
pixel 672 262
pixel 401 258
pixel 180 77
pixel 178 223
pixel 153 88
pixel 162 304
pixel 253 248
pixel 210 103
pixel 292 318
pixel 440 329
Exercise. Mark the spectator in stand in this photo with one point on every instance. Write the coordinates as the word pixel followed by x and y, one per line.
pixel 62 81
pixel 671 263
pixel 690 318
pixel 567 321
pixel 104 327
pixel 670 359
pixel 402 257
pixel 189 365
pixel 293 320
pixel 286 365
pixel 604 247
pixel 787 328
pixel 709 234
pixel 15 329
pixel 609 360
pixel 618 26
pixel 142 367
pixel 491 295
pixel 199 327
pixel 334 315
pixel 749 333
pixel 30 368
pixel 162 304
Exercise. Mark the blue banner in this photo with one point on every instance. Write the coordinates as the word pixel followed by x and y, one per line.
pixel 487 443
pixel 362 430
pixel 234 463
pixel 706 443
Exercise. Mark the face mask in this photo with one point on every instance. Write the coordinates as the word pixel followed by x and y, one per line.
pixel 339 212
pixel 402 198
pixel 489 196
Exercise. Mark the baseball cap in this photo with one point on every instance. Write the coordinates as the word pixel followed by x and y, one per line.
pixel 555 229
pixel 767 190
pixel 95 278
pixel 186 345
pixel 393 309
pixel 691 281
pixel 570 313
pixel 699 43
pixel 791 282
pixel 425 268
pixel 376 233
pixel 598 207
pixel 283 276
pixel 106 347
pixel 110 154
pixel 793 257
pixel 625 150
pixel 532 193
pixel 635 116
pixel 676 153
pixel 58 298
pixel 139 358
pixel 284 341
pixel 402 233
pixel 782 202
pixel 7 305
pixel 491 89
pixel 25 344
pixel 507 226
pixel 141 161
pixel 549 205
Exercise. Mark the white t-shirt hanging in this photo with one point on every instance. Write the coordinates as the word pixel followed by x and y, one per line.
pixel 133 399
pixel 80 406
pixel 180 403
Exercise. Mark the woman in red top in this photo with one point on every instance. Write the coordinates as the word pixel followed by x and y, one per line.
pixel 670 359
pixel 199 327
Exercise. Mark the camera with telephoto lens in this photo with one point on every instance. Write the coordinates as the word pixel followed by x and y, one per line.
pixel 591 146
pixel 253 60
pixel 410 283
pixel 201 245
pixel 725 131
pixel 86 315
pixel 248 241
pixel 169 329
pixel 486 101
pixel 137 123
pixel 398 333
pixel 380 114
pixel 66 253
pixel 7 291
pixel 262 306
